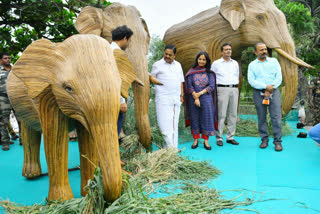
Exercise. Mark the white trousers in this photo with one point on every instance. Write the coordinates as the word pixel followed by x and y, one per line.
pixel 168 121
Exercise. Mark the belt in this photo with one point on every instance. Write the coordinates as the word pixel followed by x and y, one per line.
pixel 228 86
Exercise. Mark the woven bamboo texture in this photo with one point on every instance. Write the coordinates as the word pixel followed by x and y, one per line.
pixel 53 84
pixel 102 22
pixel 242 23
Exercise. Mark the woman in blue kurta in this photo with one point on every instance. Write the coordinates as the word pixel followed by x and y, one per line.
pixel 200 100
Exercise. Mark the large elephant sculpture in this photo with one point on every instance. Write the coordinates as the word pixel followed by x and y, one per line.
pixel 102 22
pixel 242 23
pixel 54 87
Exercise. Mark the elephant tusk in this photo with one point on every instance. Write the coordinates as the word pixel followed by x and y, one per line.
pixel 139 82
pixel 154 80
pixel 295 60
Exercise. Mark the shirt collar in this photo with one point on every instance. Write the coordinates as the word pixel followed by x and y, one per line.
pixel 223 60
pixel 115 45
pixel 267 59
pixel 2 68
pixel 164 62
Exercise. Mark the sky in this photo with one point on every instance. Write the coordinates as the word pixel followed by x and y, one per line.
pixel 160 15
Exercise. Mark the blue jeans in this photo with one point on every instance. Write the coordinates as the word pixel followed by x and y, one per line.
pixel 120 121
pixel 275 115
pixel 314 133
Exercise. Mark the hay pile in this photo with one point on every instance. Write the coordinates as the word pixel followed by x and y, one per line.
pixel 151 171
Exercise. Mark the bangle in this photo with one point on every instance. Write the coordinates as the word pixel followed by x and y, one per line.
pixel 181 95
pixel 201 92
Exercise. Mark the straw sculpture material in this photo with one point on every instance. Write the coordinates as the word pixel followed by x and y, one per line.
pixel 126 71
pixel 102 22
pixel 242 23
pixel 164 171
pixel 53 85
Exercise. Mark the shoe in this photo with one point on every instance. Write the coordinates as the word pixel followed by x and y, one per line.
pixel 263 145
pixel 278 147
pixel 5 147
pixel 207 147
pixel 233 142
pixel 302 135
pixel 194 146
pixel 14 137
pixel 11 142
pixel 300 125
pixel 219 143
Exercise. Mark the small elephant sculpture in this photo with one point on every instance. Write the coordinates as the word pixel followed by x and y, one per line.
pixel 53 87
pixel 101 23
pixel 242 23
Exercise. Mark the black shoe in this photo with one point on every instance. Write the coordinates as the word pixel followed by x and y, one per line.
pixel 302 135
pixel 219 143
pixel 194 146
pixel 207 148
pixel 300 125
pixel 14 137
pixel 233 142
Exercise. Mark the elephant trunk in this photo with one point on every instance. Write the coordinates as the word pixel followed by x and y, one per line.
pixel 290 78
pixel 141 95
pixel 106 138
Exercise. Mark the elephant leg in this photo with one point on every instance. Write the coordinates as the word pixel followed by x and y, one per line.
pixel 31 150
pixel 88 156
pixel 55 132
pixel 141 106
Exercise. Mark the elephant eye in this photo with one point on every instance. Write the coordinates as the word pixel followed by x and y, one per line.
pixel 259 17
pixel 67 88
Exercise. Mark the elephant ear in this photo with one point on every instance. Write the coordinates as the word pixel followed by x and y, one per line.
pixel 36 66
pixel 233 12
pixel 147 31
pixel 126 71
pixel 89 21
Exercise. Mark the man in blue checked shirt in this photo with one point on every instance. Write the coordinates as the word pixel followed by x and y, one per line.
pixel 264 75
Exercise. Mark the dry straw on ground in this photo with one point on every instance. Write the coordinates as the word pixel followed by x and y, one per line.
pixel 151 171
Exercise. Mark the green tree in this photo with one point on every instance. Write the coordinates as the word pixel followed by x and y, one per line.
pixel 24 21
pixel 156 49
pixel 303 17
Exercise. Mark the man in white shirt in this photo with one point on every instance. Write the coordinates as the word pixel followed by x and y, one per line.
pixel 227 73
pixel 121 37
pixel 169 96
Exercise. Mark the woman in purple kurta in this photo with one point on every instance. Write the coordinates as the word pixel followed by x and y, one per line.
pixel 200 100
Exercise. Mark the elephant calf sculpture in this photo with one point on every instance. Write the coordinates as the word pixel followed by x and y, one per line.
pixel 75 81
pixel 100 22
pixel 242 23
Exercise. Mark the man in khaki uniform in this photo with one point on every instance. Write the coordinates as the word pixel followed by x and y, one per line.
pixel 5 107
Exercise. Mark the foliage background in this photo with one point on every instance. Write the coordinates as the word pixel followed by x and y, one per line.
pixel 24 21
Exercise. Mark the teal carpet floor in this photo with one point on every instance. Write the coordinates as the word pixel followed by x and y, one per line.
pixel 291 176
